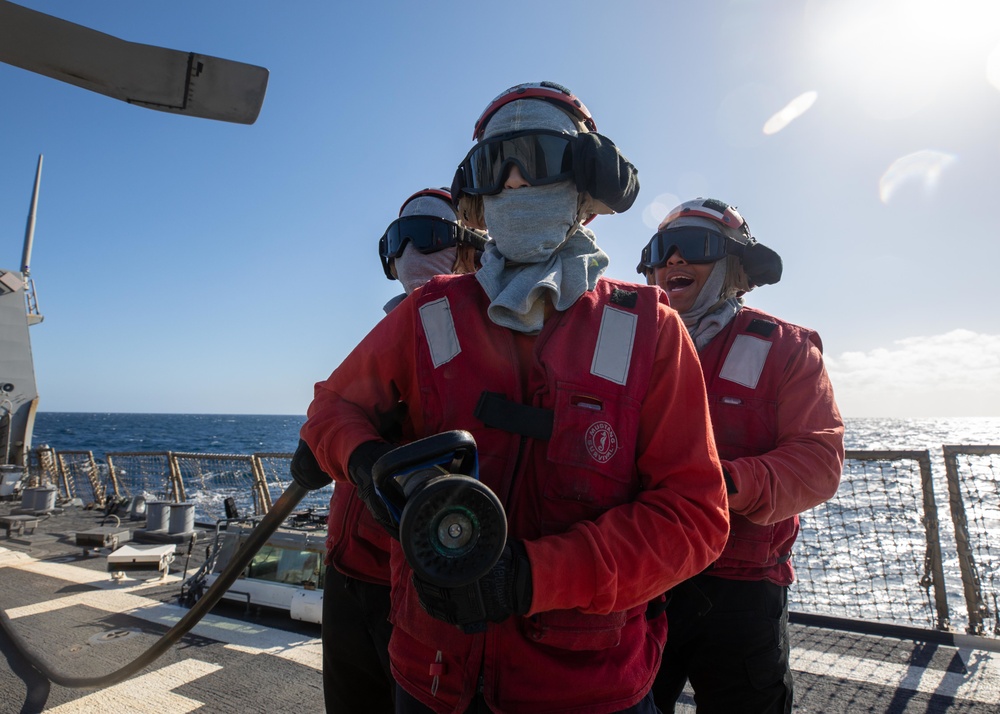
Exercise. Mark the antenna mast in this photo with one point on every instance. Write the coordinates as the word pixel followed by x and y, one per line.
pixel 29 232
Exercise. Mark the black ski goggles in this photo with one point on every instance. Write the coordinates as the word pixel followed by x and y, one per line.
pixel 428 234
pixel 543 157
pixel 694 243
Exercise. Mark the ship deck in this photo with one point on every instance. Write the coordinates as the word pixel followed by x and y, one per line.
pixel 65 604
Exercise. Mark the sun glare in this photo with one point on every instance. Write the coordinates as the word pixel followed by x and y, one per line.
pixel 900 55
pixel 993 67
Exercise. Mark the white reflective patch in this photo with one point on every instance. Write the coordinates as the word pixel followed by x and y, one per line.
pixel 439 327
pixel 745 360
pixel 613 353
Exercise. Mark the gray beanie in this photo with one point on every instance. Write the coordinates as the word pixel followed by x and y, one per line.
pixel 525 114
pixel 429 206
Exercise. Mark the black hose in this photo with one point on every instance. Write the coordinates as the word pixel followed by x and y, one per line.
pixel 280 511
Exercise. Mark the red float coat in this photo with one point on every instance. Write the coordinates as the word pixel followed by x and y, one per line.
pixel 623 502
pixel 355 544
pixel 779 434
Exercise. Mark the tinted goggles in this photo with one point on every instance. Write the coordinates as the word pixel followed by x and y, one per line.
pixel 694 243
pixel 428 234
pixel 543 157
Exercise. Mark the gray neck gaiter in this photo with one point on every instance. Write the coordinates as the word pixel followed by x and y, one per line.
pixel 712 323
pixel 708 298
pixel 710 313
pixel 528 224
pixel 415 268
pixel 516 291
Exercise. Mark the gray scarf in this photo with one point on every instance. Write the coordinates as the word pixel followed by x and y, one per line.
pixel 712 323
pixel 516 290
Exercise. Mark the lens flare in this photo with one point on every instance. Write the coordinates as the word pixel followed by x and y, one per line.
pixel 925 165
pixel 658 208
pixel 791 111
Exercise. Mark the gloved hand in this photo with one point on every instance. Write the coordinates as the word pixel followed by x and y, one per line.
pixel 359 469
pixel 730 484
pixel 305 469
pixel 507 588
pixel 504 591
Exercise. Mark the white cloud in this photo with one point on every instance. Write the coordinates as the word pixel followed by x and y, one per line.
pixel 949 375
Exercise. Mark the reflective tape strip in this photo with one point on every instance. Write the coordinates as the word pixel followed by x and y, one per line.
pixel 615 340
pixel 745 360
pixel 439 328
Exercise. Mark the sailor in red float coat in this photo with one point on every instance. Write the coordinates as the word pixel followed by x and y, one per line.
pixel 781 440
pixel 623 502
pixel 774 406
pixel 611 482
pixel 425 240
pixel 357 545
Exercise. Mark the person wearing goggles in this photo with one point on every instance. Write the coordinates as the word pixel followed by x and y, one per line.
pixel 781 440
pixel 586 402
pixel 438 245
pixel 423 242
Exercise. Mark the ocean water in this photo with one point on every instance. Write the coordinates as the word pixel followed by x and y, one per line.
pixel 195 433
pixel 248 434
pixel 913 434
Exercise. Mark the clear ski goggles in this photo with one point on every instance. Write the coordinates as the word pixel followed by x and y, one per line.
pixel 542 157
pixel 428 234
pixel 694 243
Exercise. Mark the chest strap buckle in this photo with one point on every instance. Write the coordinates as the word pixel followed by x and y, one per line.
pixel 498 412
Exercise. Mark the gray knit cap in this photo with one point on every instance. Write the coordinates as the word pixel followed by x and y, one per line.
pixel 525 114
pixel 429 206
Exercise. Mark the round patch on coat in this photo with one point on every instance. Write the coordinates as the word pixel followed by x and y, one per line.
pixel 602 443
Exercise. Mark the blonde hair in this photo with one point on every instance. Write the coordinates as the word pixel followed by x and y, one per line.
pixel 736 282
pixel 465 260
pixel 470 211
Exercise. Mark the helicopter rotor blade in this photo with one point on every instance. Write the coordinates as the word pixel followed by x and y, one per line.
pixel 154 77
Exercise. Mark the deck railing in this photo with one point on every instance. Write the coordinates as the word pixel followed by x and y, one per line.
pixel 878 551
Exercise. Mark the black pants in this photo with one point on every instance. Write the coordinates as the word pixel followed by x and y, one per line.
pixel 356 634
pixel 729 638
pixel 405 704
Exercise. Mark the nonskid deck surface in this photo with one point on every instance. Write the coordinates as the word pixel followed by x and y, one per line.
pixel 85 624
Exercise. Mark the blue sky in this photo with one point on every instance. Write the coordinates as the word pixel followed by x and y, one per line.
pixel 185 265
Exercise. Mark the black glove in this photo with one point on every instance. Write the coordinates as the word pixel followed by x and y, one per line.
pixel 359 469
pixel 305 469
pixel 730 484
pixel 504 591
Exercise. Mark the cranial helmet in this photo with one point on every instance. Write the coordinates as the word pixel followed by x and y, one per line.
pixel 761 264
pixel 430 208
pixel 547 91
pixel 545 152
pixel 428 222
